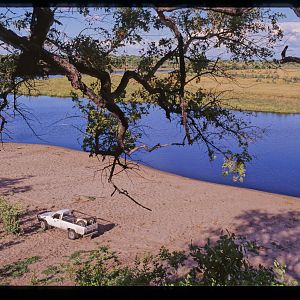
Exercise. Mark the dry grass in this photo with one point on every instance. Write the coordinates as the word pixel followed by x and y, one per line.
pixel 269 90
pixel 250 94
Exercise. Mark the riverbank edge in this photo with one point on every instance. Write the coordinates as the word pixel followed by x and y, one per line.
pixel 228 107
pixel 154 170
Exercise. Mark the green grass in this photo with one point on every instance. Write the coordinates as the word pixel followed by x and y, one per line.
pixel 266 90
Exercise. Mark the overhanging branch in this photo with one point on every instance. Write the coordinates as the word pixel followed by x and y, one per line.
pixel 297 11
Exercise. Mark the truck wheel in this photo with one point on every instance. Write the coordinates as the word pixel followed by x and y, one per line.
pixel 44 225
pixel 72 235
pixel 81 223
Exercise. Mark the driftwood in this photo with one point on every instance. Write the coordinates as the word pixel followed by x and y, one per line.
pixel 288 59
pixel 291 59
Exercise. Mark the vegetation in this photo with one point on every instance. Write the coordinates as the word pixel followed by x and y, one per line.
pixel 16 269
pixel 126 62
pixel 53 275
pixel 223 263
pixel 257 89
pixel 9 215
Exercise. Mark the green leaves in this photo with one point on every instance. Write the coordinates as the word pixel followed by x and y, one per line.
pixel 222 263
pixel 101 129
pixel 9 215
pixel 226 263
pixel 236 166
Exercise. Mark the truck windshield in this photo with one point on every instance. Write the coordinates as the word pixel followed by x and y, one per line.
pixel 69 213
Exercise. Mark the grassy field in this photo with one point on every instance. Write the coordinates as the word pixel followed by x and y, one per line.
pixel 267 90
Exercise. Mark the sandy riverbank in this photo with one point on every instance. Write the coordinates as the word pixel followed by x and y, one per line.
pixel 45 177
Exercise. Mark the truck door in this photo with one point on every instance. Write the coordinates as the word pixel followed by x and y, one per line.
pixel 63 224
pixel 56 220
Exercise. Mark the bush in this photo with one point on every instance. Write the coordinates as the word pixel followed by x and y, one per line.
pixel 224 263
pixel 9 214
pixel 102 268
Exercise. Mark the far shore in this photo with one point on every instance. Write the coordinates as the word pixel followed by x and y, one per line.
pixel 259 90
pixel 41 177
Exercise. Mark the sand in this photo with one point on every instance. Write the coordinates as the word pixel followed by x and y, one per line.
pixel 43 177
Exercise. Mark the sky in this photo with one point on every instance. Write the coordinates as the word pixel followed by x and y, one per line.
pixel 291 30
pixel 290 26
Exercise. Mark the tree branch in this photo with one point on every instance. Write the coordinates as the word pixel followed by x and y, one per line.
pixel 169 22
pixel 157 146
pixel 41 21
pixel 125 193
pixel 74 76
pixel 297 11
pixel 138 78
pixel 288 59
pixel 231 11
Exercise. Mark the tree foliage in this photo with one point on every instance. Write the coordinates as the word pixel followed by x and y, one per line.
pixel 39 47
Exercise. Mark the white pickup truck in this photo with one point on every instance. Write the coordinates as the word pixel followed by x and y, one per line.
pixel 66 220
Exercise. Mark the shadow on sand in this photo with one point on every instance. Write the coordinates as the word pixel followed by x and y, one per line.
pixel 29 226
pixel 29 222
pixel 9 244
pixel 277 234
pixel 103 228
pixel 10 185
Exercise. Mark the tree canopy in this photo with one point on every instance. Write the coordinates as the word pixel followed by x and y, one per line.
pixel 39 47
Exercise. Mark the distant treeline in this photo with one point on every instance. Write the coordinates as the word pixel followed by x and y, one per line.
pixel 132 62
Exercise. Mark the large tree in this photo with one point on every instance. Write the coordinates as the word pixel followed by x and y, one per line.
pixel 39 48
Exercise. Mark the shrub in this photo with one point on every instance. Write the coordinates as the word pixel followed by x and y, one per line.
pixel 226 263
pixel 9 214
pixel 102 267
pixel 223 263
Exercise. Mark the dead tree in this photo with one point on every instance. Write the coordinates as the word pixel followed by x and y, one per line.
pixel 288 59
pixel 284 52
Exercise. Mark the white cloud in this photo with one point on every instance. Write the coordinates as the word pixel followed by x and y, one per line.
pixel 290 27
pixel 291 37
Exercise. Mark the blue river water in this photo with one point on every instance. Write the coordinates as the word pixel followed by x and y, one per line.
pixel 275 168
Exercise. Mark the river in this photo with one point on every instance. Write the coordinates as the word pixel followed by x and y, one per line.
pixel 275 168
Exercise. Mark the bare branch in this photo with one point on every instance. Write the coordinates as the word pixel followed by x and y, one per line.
pixel 125 193
pixel 297 11
pixel 231 11
pixel 169 22
pixel 288 59
pixel 157 146
pixel 167 9
pixel 134 75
